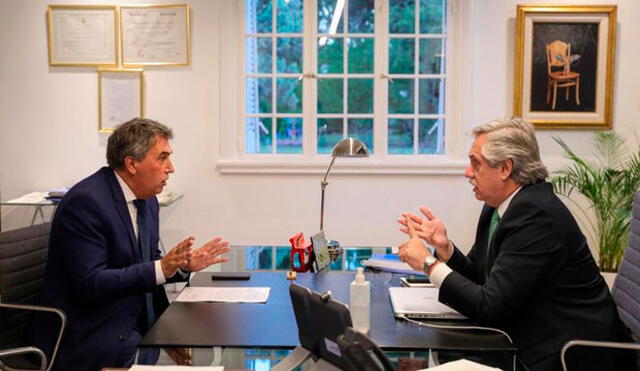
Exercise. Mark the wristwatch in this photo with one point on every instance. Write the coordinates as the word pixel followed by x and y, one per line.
pixel 428 262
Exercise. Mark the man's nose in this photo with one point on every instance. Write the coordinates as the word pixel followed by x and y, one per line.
pixel 170 168
pixel 468 172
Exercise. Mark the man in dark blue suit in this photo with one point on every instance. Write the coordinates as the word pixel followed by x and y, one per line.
pixel 530 271
pixel 104 267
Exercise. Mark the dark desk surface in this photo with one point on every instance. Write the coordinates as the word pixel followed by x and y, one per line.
pixel 272 325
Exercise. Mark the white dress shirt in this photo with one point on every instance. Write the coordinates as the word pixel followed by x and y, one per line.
pixel 441 271
pixel 129 197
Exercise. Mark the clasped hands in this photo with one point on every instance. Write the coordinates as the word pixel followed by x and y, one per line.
pixel 182 256
pixel 429 229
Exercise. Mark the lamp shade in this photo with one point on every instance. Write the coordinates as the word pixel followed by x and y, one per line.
pixel 350 147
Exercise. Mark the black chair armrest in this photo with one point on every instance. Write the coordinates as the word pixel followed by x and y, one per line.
pixel 24 350
pixel 38 308
pixel 594 344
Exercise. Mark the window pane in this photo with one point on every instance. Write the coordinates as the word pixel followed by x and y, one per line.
pixel 330 55
pixel 258 257
pixel 289 135
pixel 329 133
pixel 360 98
pixel 260 18
pixel 401 96
pixel 360 55
pixel 289 51
pixel 429 98
pixel 432 56
pixel 329 18
pixel 258 52
pixel 432 16
pixel 361 129
pixel 402 16
pixel 290 16
pixel 401 56
pixel 259 135
pixel 361 15
pixel 400 136
pixel 289 95
pixel 430 136
pixel 330 96
pixel 353 258
pixel 259 95
pixel 283 258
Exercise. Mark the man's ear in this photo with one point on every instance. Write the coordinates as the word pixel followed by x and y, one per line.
pixel 130 165
pixel 506 168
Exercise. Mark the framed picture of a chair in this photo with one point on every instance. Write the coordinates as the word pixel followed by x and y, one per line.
pixel 564 66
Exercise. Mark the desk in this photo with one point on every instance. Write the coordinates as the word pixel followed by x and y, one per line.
pixel 272 325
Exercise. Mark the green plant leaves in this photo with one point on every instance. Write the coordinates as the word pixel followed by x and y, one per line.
pixel 608 182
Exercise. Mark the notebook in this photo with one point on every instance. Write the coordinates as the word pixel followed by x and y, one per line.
pixel 420 302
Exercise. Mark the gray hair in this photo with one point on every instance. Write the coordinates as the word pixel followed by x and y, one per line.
pixel 515 139
pixel 134 138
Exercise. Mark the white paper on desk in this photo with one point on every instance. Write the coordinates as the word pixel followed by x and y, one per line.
pixel 461 365
pixel 175 368
pixel 225 294
pixel 33 197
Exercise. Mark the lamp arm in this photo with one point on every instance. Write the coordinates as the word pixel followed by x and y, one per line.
pixel 323 185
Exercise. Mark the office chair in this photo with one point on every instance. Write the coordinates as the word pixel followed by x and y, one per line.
pixel 559 56
pixel 626 291
pixel 23 257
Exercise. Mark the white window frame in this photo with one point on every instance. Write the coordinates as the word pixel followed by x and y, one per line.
pixel 233 159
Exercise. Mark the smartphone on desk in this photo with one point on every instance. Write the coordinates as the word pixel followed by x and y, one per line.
pixel 416 280
pixel 230 276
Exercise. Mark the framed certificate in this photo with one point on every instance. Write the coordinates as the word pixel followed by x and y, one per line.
pixel 120 97
pixel 82 35
pixel 155 35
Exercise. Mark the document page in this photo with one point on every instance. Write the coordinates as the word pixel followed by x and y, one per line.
pixel 175 368
pixel 225 294
pixel 461 364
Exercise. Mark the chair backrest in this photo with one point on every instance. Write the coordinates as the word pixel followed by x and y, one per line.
pixel 626 288
pixel 23 258
pixel 557 48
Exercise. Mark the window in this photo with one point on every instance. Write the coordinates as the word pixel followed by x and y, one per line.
pixel 319 71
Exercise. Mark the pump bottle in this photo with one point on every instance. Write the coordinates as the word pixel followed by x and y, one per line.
pixel 360 302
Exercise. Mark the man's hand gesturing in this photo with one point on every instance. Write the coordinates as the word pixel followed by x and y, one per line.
pixel 178 257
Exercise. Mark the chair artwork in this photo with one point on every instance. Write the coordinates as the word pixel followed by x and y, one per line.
pixel 559 74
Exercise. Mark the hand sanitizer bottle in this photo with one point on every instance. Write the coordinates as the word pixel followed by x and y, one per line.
pixel 360 302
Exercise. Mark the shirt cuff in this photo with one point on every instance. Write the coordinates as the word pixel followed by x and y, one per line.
pixel 160 278
pixel 439 273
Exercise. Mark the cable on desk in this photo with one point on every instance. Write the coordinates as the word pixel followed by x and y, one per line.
pixel 454 327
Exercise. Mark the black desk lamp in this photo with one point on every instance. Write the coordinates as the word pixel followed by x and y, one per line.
pixel 348 147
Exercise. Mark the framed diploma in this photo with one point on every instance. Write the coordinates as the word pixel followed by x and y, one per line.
pixel 120 97
pixel 82 35
pixel 155 35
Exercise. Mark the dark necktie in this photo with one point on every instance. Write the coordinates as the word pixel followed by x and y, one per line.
pixel 495 219
pixel 145 250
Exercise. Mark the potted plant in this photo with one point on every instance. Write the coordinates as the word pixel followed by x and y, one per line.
pixel 608 181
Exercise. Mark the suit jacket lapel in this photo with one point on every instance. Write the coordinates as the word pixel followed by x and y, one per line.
pixel 123 211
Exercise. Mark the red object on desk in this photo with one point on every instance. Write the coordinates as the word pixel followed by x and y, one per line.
pixel 303 250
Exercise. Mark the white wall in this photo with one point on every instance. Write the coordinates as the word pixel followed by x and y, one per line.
pixel 49 136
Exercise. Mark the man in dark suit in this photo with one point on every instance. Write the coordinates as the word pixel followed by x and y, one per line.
pixel 104 267
pixel 530 271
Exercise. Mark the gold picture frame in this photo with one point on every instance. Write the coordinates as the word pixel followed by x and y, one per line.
pixel 155 35
pixel 120 96
pixel 82 35
pixel 564 66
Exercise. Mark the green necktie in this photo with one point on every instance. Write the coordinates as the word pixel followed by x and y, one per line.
pixel 495 219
